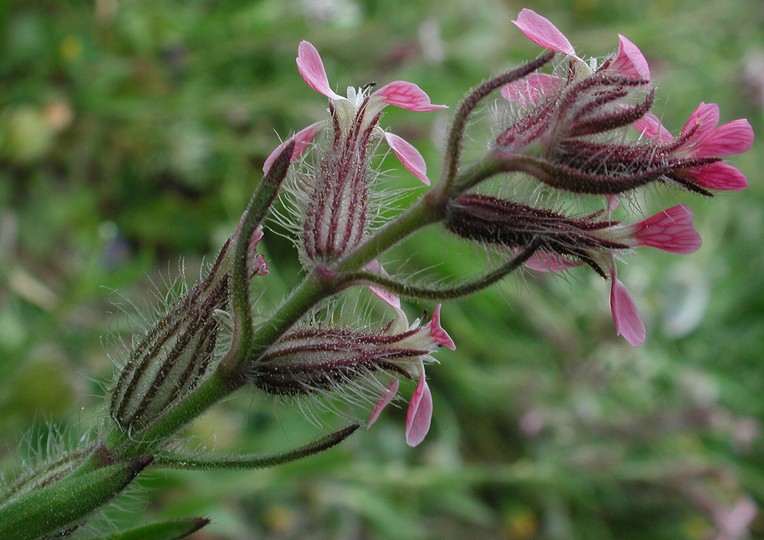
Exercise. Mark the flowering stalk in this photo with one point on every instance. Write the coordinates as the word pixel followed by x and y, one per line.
pixel 584 129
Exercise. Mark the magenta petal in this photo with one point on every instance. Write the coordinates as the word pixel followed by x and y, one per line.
pixel 718 176
pixel 419 414
pixel 612 203
pixel 302 140
pixel 542 261
pixel 531 89
pixel 733 137
pixel 409 156
pixel 626 317
pixel 311 67
pixel 704 118
pixel 542 32
pixel 384 401
pixel 652 128
pixel 629 60
pixel 438 334
pixel 405 95
pixel 670 230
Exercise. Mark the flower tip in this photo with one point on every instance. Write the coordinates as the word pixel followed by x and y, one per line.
pixel 542 32
pixel 419 414
pixel 393 300
pixel 630 61
pixel 406 95
pixel 408 156
pixel 438 334
pixel 301 140
pixel 311 68
pixel 626 317
pixel 671 230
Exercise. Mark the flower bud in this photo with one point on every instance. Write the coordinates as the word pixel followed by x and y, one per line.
pixel 179 351
pixel 498 221
pixel 315 360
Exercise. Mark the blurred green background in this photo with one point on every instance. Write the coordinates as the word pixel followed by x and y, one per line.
pixel 131 135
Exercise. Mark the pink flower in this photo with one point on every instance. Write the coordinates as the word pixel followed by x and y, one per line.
pixel 626 317
pixel 312 359
pixel 581 99
pixel 702 143
pixel 419 413
pixel 628 60
pixel 362 109
pixel 563 242
pixel 670 230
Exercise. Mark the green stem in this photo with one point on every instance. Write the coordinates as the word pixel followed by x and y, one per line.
pixel 253 461
pixel 472 286
pixel 483 170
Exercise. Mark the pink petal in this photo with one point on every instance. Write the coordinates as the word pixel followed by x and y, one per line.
pixel 626 317
pixel 718 176
pixel 542 261
pixel 387 297
pixel 733 137
pixel 531 89
pixel 629 60
pixel 705 117
pixel 652 128
pixel 612 203
pixel 302 140
pixel 409 156
pixel 405 95
pixel 670 230
pixel 419 414
pixel 542 32
pixel 311 67
pixel 384 401
pixel 438 334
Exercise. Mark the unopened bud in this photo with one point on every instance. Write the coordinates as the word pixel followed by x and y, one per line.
pixel 179 351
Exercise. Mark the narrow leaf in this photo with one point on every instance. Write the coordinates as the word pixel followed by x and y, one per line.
pixel 164 530
pixel 256 211
pixel 53 508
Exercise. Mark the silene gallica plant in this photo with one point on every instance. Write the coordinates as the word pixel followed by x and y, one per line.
pixel 575 128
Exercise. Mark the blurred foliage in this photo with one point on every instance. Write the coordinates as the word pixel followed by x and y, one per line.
pixel 131 134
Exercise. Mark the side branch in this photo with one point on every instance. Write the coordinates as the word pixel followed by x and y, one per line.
pixel 462 114
pixel 408 290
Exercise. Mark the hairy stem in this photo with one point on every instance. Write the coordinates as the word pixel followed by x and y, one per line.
pixel 409 290
pixel 458 126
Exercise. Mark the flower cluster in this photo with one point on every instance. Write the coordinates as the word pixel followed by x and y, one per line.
pixel 332 190
pixel 586 129
pixel 570 131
